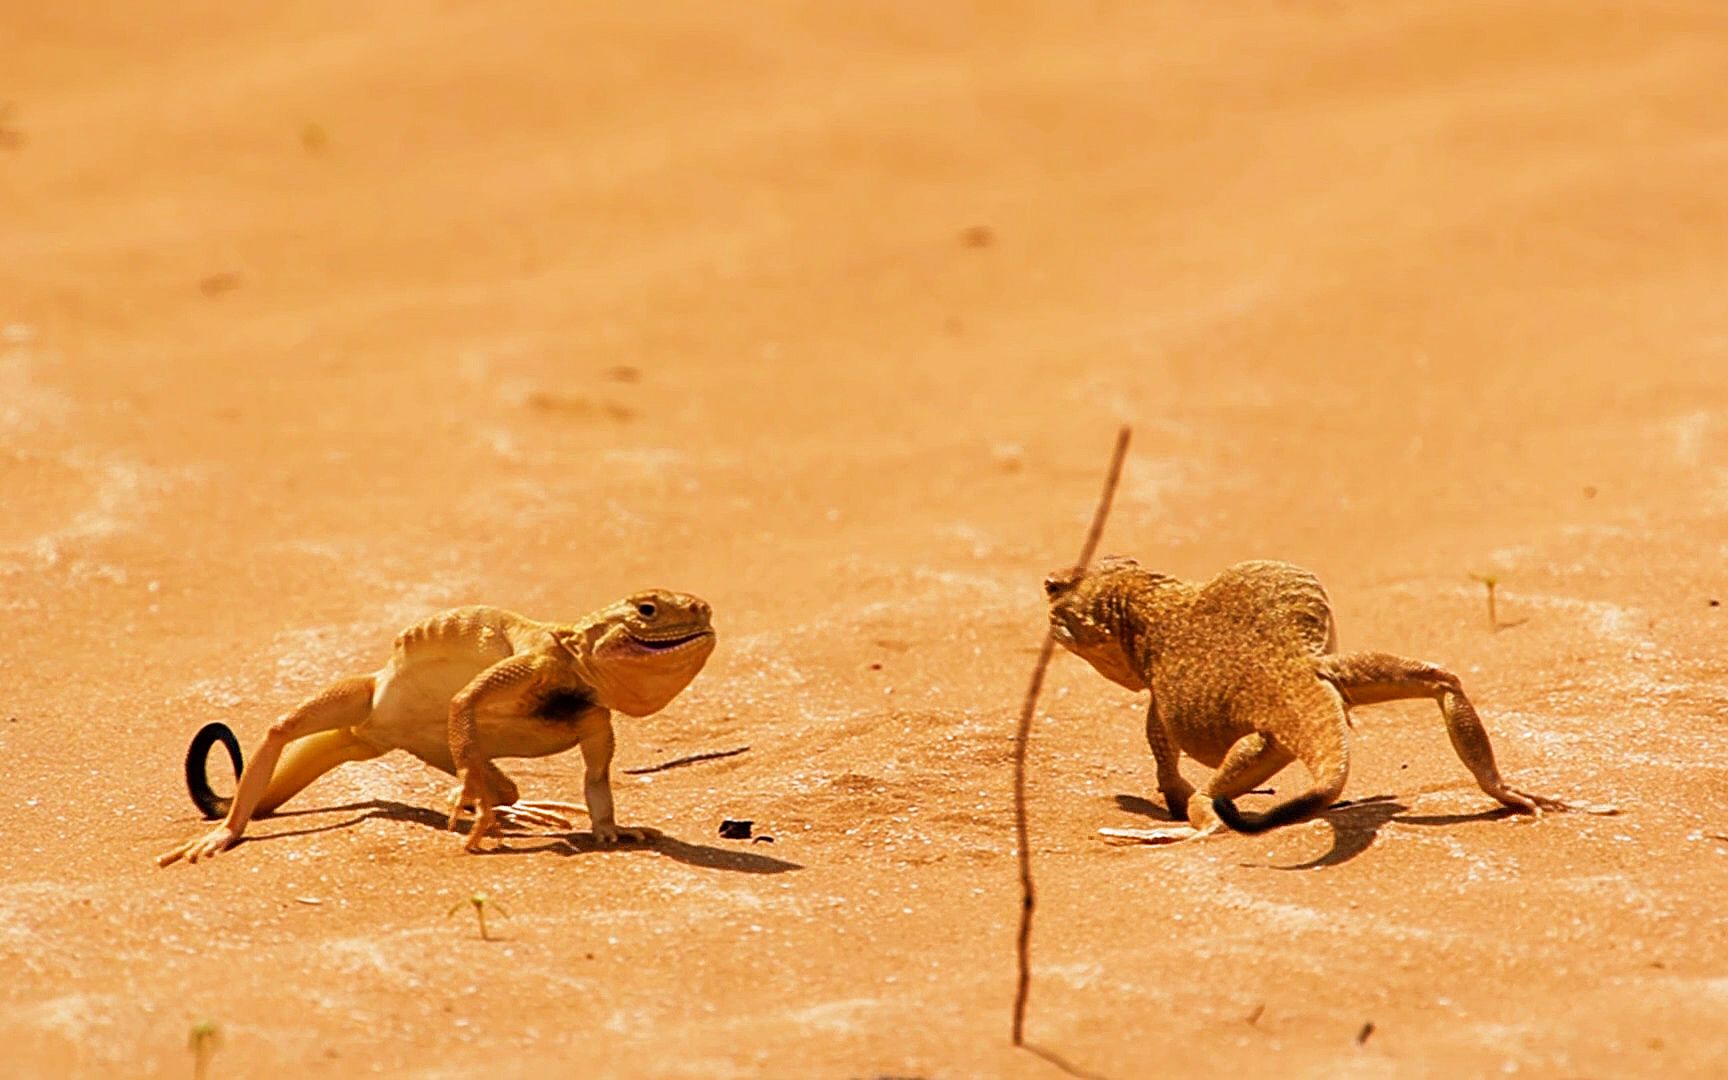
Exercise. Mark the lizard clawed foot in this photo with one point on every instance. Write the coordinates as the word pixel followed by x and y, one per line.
pixel 1179 835
pixel 475 794
pixel 202 847
pixel 1537 805
pixel 607 833
pixel 544 814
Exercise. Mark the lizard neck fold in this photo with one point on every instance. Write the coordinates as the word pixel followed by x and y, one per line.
pixel 578 643
pixel 1141 610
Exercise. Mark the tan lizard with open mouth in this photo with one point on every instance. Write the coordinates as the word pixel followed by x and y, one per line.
pixel 465 686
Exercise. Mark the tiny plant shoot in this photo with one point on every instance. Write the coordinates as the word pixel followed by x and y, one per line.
pixel 1488 582
pixel 203 1041
pixel 481 902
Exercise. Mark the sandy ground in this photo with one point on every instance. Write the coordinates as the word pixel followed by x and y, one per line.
pixel 315 322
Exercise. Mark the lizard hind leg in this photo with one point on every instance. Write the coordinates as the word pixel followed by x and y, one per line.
pixel 1317 735
pixel 306 759
pixel 1252 760
pixel 1367 678
pixel 341 705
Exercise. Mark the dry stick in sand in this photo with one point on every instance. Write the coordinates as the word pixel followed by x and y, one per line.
pixel 1028 897
pixel 688 759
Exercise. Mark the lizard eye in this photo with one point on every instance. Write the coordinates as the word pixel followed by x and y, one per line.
pixel 646 609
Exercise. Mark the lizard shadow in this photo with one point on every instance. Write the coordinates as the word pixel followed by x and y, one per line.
pixel 1157 811
pixel 376 809
pixel 1354 823
pixel 702 855
pixel 1134 804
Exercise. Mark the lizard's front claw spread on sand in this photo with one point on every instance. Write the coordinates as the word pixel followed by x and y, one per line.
pixel 1559 807
pixel 609 833
pixel 1537 805
pixel 549 815
pixel 474 794
pixel 203 847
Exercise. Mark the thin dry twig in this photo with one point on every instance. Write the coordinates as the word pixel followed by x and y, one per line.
pixel 1028 895
pixel 687 759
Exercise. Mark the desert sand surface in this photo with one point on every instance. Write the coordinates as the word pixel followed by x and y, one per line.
pixel 318 318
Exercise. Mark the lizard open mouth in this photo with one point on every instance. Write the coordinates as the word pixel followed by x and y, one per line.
pixel 671 643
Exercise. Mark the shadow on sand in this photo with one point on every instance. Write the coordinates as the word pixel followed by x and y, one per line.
pixel 579 843
pixel 1060 1062
pixel 1355 823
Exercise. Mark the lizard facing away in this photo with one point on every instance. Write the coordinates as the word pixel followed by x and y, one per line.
pixel 1246 678
pixel 465 686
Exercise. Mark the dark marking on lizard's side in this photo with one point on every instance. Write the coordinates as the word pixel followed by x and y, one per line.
pixel 564 704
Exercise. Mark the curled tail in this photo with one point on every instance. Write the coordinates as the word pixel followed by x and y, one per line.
pixel 208 802
pixel 1301 808
pixel 1320 738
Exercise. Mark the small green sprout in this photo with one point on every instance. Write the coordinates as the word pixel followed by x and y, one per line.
pixel 1489 581
pixel 481 902
pixel 204 1040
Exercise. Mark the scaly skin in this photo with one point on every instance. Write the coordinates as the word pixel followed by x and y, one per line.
pixel 1245 678
pixel 468 685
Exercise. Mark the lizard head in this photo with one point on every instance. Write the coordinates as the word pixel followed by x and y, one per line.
pixel 1086 615
pixel 647 647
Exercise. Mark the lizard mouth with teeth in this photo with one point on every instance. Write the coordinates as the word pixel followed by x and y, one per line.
pixel 670 644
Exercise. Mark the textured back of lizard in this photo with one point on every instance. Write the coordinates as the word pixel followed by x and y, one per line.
pixel 1278 602
pixel 475 631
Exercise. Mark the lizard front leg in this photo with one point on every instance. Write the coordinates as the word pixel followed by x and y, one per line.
pixel 1166 757
pixel 1178 793
pixel 597 786
pixel 509 808
pixel 501 688
pixel 549 815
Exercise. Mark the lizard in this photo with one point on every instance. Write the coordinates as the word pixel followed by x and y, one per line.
pixel 1246 678
pixel 465 686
